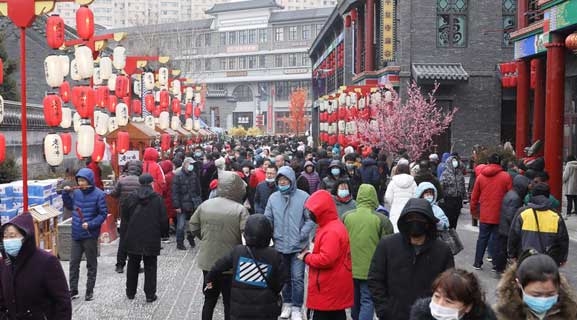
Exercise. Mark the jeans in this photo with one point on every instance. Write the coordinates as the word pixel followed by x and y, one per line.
pixel 181 227
pixel 294 291
pixel 220 285
pixel 327 315
pixel 89 247
pixel 363 309
pixel 132 269
pixel 487 232
pixel 571 200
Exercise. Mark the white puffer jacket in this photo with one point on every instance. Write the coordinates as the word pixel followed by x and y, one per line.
pixel 399 191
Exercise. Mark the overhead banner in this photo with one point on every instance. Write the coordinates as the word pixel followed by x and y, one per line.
pixel 388 30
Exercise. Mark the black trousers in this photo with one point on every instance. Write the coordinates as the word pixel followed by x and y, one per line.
pixel 571 200
pixel 121 254
pixel 89 247
pixel 326 315
pixel 132 268
pixel 452 207
pixel 221 285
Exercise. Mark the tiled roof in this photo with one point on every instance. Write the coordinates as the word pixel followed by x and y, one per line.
pixel 297 15
pixel 163 27
pixel 243 5
pixel 439 71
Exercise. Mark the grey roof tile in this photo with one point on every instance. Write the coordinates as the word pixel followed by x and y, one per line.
pixel 439 71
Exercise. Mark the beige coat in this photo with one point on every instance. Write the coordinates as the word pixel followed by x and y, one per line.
pixel 570 178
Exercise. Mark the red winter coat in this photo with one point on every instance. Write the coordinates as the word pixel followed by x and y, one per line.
pixel 150 166
pixel 97 174
pixel 330 268
pixel 167 169
pixel 489 190
pixel 258 177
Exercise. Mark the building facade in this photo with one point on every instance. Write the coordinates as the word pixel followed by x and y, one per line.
pixel 250 54
pixel 456 43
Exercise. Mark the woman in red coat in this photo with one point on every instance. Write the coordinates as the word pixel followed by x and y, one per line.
pixel 151 166
pixel 330 289
pixel 168 170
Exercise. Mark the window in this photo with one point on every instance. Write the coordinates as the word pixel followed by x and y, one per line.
pixel 223 38
pixel 509 22
pixel 305 60
pixel 198 65
pixel 278 34
pixel 533 13
pixel 198 41
pixel 252 62
pixel 207 39
pixel 242 93
pixel 231 63
pixel 261 61
pixel 278 61
pixel 207 65
pixel 292 33
pixel 222 63
pixel 242 63
pixel 282 90
pixel 232 37
pixel 252 36
pixel 452 23
pixel 306 33
pixel 262 35
pixel 292 60
pixel 242 37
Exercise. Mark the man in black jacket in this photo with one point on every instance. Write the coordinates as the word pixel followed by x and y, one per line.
pixel 405 264
pixel 264 190
pixel 186 196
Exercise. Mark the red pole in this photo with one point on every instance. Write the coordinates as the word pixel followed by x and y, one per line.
pixel 23 119
pixel 369 35
pixel 521 10
pixel 358 44
pixel 539 103
pixel 523 85
pixel 554 119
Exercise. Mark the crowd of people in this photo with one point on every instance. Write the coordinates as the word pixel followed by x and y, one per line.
pixel 365 229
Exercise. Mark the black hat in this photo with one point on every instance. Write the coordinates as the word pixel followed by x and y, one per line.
pixel 145 179
pixel 258 231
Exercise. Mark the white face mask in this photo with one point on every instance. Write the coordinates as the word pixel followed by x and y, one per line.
pixel 455 163
pixel 443 313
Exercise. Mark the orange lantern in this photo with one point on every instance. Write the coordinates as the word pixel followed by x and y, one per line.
pixel 52 110
pixel 176 107
pixel 164 100
pixel 570 42
pixel 136 107
pixel 65 92
pixel 2 148
pixel 112 103
pixel 164 142
pixel 84 22
pixel 197 112
pixel 188 110
pixel 102 97
pixel 99 148
pixel 55 31
pixel 123 142
pixel 122 86
pixel 83 98
pixel 66 142
pixel 149 102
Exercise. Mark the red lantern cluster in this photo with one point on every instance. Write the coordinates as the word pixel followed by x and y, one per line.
pixel 122 86
pixel 84 22
pixel 66 142
pixel 164 100
pixel 136 107
pixel 83 98
pixel 164 142
pixel 508 74
pixel 112 103
pixel 176 107
pixel 123 142
pixel 65 91
pixel 52 110
pixel 188 110
pixel 149 102
pixel 55 31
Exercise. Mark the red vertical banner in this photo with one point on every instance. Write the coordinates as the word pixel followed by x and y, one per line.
pixel 270 112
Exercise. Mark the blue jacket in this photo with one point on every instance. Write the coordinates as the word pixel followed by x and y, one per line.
pixel 261 196
pixel 92 204
pixel 442 164
pixel 443 223
pixel 291 221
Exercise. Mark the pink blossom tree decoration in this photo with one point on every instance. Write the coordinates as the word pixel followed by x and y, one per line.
pixel 409 126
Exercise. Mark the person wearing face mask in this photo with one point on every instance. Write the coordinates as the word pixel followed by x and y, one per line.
pixel 534 289
pixel 32 281
pixel 312 177
pixel 355 175
pixel 427 191
pixel 264 190
pixel 399 191
pixel 336 172
pixel 457 295
pixel 453 184
pixel 405 264
pixel 292 227
pixel 186 197
pixel 343 198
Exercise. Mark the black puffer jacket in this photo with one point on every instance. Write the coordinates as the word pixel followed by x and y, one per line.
pixel 186 193
pixel 125 187
pixel 512 201
pixel 421 311
pixel 399 274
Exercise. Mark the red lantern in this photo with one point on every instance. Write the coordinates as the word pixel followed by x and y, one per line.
pixel 165 141
pixel 55 31
pixel 112 102
pixel 102 97
pixel 99 148
pixel 122 86
pixel 197 112
pixel 136 107
pixel 83 98
pixel 156 111
pixel 66 142
pixel 354 15
pixel 52 110
pixel 65 92
pixel 188 110
pixel 84 22
pixel 2 148
pixel 348 21
pixel 149 102
pixel 176 107
pixel 164 100
pixel 123 142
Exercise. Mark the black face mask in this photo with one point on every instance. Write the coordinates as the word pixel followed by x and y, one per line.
pixel 417 228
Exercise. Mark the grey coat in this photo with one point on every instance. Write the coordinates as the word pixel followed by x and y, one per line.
pixel 452 180
pixel 570 178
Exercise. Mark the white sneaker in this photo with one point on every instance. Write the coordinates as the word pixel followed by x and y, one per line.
pixel 286 310
pixel 296 313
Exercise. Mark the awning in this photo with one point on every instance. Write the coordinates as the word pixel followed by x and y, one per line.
pixel 439 72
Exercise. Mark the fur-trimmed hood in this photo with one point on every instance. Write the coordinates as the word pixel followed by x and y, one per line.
pixel 510 304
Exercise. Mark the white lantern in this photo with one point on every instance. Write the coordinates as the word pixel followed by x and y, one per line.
pixel 74 74
pixel 101 122
pixel 348 100
pixel 196 124
pixel 157 96
pixel 122 114
pixel 85 144
pixel 342 98
pixel 112 82
pixel 53 71
pixel 374 125
pixel 175 123
pixel 64 65
pixel 341 126
pixel 163 120
pixel 112 124
pixel 136 87
pixel 353 128
pixel 76 121
pixel 105 68
pixel 85 61
pixel 197 97
pixel 1 109
pixel 362 103
pixel 66 118
pixel 188 125
pixel 96 77
pixel 189 94
pixel 53 149
pixel 119 57
pixel 163 76
pixel 149 122
pixel 176 87
pixel 388 96
pixel 148 79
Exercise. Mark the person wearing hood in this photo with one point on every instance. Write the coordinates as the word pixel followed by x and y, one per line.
pixel 453 183
pixel 123 189
pixel 534 289
pixel 354 174
pixel 401 188
pixel 330 286
pixel 186 197
pixel 427 191
pixel 219 223
pixel 247 170
pixel 405 264
pixel 336 172
pixel 151 166
pixel 168 170
pixel 302 182
pixel 369 172
pixel 424 174
pixel 147 222
pixel 323 164
pixel 264 190
pixel 292 227
pixel 570 184
pixel 434 162
pixel 490 188
pixel 366 227
pixel 32 282
pixel 512 202
pixel 443 165
pixel 343 197
pixel 312 177
pixel 538 226
pixel 253 296
pixel 89 211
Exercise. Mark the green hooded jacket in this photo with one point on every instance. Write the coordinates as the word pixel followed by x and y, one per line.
pixel 366 228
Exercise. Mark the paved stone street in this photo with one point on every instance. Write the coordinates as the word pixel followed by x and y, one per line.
pixel 180 281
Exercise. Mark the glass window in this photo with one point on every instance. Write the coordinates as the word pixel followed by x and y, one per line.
pixel 278 34
pixel 262 35
pixel 207 39
pixel 278 61
pixel 292 33
pixel 242 93
pixel 223 38
pixel 232 63
pixel 242 37
pixel 452 23
pixel 222 63
pixel 282 90
pixel 198 65
pixel 242 63
pixel 252 36
pixel 305 60
pixel 198 41
pixel 509 21
pixel 232 37
pixel 261 61
pixel 306 33
pixel 207 65
pixel 292 60
pixel 252 62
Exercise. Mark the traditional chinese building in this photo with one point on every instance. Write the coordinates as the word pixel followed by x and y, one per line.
pixel 457 43
pixel 545 77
